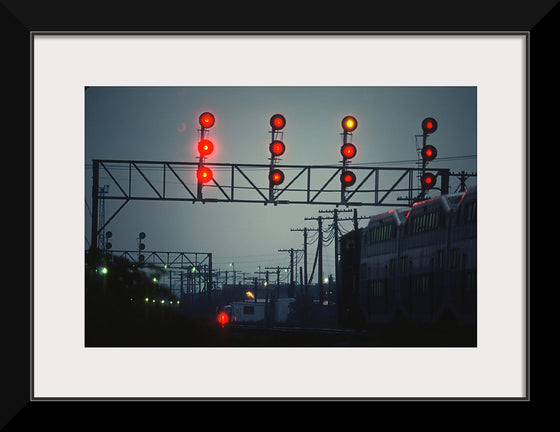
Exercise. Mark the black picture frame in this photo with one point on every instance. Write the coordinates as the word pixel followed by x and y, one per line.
pixel 20 20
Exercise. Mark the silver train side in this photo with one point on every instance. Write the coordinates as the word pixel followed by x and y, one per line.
pixel 417 263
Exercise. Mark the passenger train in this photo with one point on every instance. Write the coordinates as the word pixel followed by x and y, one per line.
pixel 418 263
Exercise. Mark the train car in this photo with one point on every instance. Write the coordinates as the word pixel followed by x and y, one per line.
pixel 462 259
pixel 379 286
pixel 423 259
pixel 418 262
pixel 348 307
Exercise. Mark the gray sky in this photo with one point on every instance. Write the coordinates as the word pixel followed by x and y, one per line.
pixel 160 123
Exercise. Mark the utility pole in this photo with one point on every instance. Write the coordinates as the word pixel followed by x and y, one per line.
pixel 304 278
pixel 291 250
pixel 277 268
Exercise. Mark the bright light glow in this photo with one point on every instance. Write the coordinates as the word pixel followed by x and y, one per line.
pixel 429 125
pixel 276 177
pixel 223 318
pixel 146 299
pixel 204 174
pixel 348 150
pixel 277 121
pixel 349 123
pixel 277 148
pixel 250 295
pixel 205 147
pixel 104 270
pixel 206 119
pixel 348 178
pixel 428 180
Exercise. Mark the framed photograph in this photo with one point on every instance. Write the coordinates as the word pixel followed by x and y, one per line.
pixel 479 100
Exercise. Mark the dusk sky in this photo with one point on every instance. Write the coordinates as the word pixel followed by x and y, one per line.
pixel 160 124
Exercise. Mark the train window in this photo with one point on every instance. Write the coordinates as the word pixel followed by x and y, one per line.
pixel 248 310
pixel 454 258
pixel 378 288
pixel 393 266
pixel 380 233
pixel 426 222
pixel 469 214
pixel 403 265
pixel 440 258
pixel 470 280
pixel 422 284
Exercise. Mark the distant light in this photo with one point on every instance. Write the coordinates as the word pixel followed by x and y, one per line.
pixel 163 302
pixel 146 299
pixel 154 279
pixel 223 318
pixel 104 270
pixel 250 294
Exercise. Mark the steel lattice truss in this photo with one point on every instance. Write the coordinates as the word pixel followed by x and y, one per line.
pixel 198 265
pixel 248 183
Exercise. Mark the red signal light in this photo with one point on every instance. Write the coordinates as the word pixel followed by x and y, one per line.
pixel 277 121
pixel 277 148
pixel 349 123
pixel 205 147
pixel 204 174
pixel 206 119
pixel 276 177
pixel 223 318
pixel 429 125
pixel 429 153
pixel 428 181
pixel 348 150
pixel 347 178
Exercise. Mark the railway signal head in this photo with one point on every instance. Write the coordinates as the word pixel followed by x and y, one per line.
pixel 349 123
pixel 205 147
pixel 276 177
pixel 429 125
pixel 277 148
pixel 428 181
pixel 206 120
pixel 347 178
pixel 204 174
pixel 348 150
pixel 277 121
pixel 429 153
